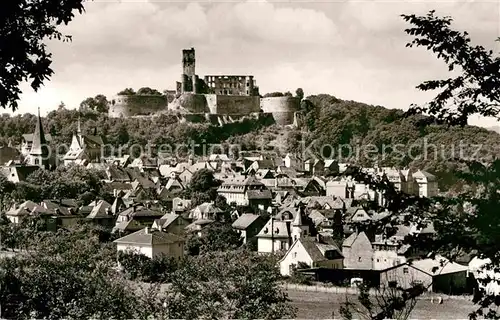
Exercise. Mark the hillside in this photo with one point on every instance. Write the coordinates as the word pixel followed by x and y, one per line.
pixel 385 136
pixel 374 134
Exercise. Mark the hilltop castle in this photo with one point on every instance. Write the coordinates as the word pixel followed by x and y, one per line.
pixel 217 98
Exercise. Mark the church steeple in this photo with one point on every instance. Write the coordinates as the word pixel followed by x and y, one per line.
pixel 79 130
pixel 39 151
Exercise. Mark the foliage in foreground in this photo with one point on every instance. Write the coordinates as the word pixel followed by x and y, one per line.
pixel 466 223
pixel 72 274
pixel 24 26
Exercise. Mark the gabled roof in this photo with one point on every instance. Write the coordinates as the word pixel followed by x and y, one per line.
pixel 279 231
pixel 166 170
pixel 421 174
pixel 149 236
pixel 130 225
pixel 100 210
pixel 173 183
pixel 317 217
pixel 259 194
pixel 92 139
pixel 222 157
pixel 353 237
pixel 316 250
pixel 438 266
pixel 140 211
pixel 118 173
pixel 244 221
pixel 167 219
pixel 117 204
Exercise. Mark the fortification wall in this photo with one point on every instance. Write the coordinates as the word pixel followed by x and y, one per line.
pixel 236 105
pixel 137 105
pixel 216 104
pixel 282 108
pixel 190 102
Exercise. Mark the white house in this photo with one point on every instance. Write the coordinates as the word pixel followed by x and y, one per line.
pixel 427 184
pixel 152 243
pixel 278 235
pixel 312 253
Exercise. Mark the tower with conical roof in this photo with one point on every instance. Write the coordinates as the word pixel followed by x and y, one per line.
pixel 39 153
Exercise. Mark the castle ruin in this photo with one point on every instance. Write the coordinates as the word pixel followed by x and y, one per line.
pixel 217 98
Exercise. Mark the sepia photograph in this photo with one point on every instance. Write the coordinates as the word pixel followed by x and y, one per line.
pixel 250 159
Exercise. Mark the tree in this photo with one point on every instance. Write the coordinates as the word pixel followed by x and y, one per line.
pixel 24 26
pixel 299 93
pixel 466 222
pixel 99 103
pixel 228 285
pixel 140 267
pixel 69 274
pixel 148 91
pixel 127 92
pixel 274 94
pixel 218 236
pixel 221 203
pixel 476 90
pixel 203 180
pixel 385 303
pixel 6 189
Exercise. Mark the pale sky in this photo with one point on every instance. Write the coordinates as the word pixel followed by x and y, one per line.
pixel 353 50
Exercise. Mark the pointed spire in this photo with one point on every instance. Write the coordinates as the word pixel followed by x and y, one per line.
pixel 297 221
pixel 79 130
pixel 39 146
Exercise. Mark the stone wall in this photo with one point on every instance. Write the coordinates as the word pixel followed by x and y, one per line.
pixel 216 104
pixel 282 108
pixel 190 103
pixel 137 105
pixel 236 105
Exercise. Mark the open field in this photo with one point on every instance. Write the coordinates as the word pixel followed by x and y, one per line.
pixel 319 305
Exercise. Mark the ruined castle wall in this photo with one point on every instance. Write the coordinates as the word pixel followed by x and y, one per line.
pixel 282 108
pixel 236 105
pixel 211 102
pixel 137 105
pixel 190 102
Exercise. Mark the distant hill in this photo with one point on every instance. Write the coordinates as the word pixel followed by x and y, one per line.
pixel 383 135
pixel 494 129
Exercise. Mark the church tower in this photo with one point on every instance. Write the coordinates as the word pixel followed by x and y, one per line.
pixel 39 153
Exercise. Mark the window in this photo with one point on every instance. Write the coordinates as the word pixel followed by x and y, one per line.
pixel 378 260
pixel 282 245
pixel 405 270
pixel 295 254
pixel 359 259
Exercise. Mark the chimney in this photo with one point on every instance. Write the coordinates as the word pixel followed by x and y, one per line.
pixel 146 230
pixel 289 233
pixel 318 238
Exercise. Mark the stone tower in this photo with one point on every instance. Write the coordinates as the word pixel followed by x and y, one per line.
pixel 188 79
pixel 39 153
pixel 188 62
